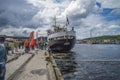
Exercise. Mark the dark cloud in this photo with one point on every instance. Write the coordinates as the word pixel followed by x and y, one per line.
pixel 16 13
pixel 3 22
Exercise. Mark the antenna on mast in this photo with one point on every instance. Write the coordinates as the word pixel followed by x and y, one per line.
pixel 55 24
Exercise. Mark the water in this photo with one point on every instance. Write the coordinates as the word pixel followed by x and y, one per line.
pixel 91 62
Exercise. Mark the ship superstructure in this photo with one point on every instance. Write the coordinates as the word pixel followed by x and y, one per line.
pixel 60 38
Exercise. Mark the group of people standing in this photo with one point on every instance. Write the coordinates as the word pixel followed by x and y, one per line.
pixel 13 46
pixel 31 46
pixel 5 47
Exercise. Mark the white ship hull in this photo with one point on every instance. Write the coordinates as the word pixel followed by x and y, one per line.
pixel 62 41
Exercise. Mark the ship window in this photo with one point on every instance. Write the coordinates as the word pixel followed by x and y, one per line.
pixel 58 38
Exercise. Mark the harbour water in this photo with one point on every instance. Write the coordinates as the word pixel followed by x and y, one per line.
pixel 91 62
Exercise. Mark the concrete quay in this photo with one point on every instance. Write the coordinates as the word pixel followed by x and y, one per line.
pixel 11 57
pixel 33 66
pixel 14 65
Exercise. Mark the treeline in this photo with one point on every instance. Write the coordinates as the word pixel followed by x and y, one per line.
pixel 113 37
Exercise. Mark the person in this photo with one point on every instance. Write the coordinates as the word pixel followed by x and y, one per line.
pixel 7 47
pixel 41 45
pixel 3 58
pixel 16 46
pixel 12 46
pixel 45 45
pixel 22 44
pixel 26 44
pixel 19 44
pixel 36 43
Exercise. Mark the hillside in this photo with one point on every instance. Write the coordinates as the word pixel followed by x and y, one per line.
pixel 101 40
pixel 115 37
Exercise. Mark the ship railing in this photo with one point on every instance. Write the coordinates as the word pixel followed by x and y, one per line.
pixel 60 31
pixel 63 37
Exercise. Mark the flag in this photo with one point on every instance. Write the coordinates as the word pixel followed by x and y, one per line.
pixel 67 21
pixel 37 43
pixel 31 35
pixel 32 38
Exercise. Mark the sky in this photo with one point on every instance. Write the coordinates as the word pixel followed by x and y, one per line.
pixel 99 17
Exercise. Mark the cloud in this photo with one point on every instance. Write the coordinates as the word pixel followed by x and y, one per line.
pixel 114 26
pixel 77 10
pixel 116 11
pixel 12 31
pixel 108 24
pixel 110 3
pixel 20 17
pixel 27 14
pixel 16 13
pixel 48 9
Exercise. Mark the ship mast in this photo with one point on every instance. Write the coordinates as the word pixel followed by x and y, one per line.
pixel 55 24
pixel 55 21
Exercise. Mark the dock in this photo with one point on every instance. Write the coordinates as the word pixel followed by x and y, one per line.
pixel 35 65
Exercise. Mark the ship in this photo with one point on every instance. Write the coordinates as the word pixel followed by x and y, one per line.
pixel 60 39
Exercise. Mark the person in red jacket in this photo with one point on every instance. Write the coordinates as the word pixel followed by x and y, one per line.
pixel 26 44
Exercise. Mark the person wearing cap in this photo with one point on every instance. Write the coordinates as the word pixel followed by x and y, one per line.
pixel 3 58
